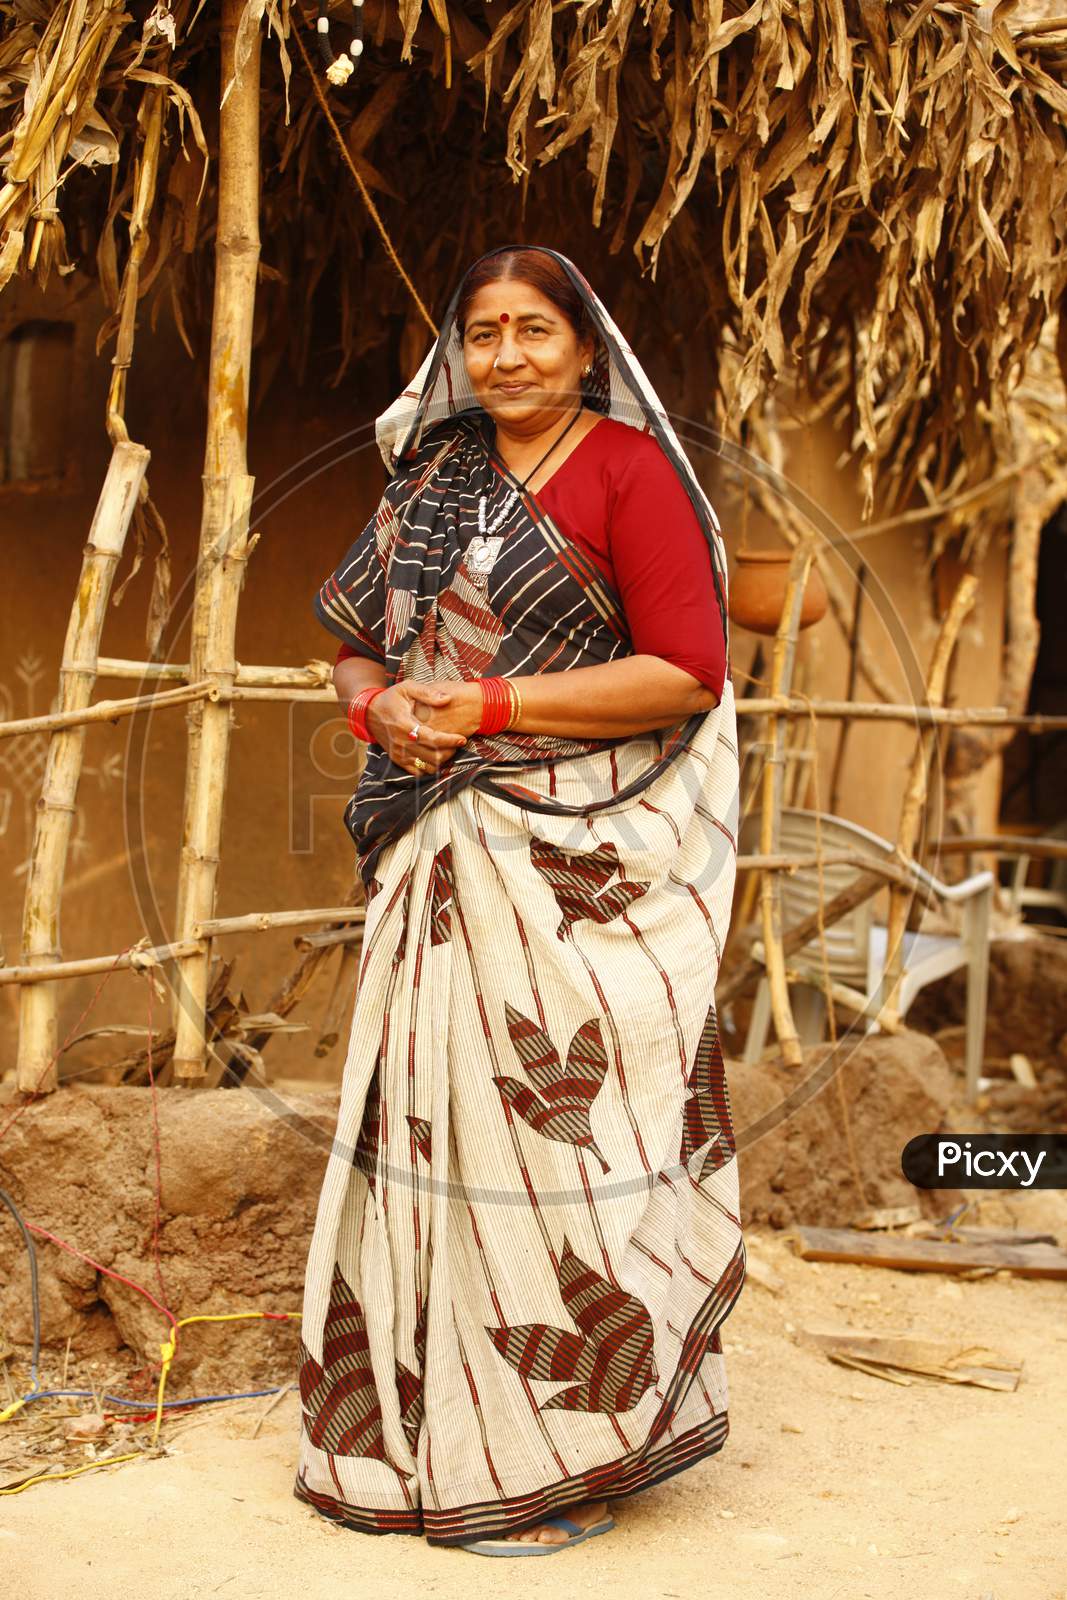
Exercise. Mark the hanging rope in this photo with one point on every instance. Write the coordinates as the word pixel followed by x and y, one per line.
pixel 360 185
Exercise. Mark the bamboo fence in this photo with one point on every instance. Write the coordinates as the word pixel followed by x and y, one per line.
pixel 343 924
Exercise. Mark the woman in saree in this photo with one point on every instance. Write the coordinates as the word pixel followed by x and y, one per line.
pixel 528 1235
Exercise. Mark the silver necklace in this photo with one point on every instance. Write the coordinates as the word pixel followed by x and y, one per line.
pixel 482 551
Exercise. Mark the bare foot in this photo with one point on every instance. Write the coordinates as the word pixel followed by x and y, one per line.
pixel 584 1515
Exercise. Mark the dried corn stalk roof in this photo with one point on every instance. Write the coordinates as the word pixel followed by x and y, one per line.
pixel 870 199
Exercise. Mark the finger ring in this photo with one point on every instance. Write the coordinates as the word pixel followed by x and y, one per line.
pixel 413 733
pixel 420 763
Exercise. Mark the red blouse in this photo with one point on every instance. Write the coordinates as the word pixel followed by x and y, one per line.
pixel 618 497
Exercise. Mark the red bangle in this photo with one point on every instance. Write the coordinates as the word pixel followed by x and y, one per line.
pixel 357 711
pixel 498 708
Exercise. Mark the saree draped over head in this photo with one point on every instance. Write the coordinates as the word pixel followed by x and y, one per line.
pixel 528 1232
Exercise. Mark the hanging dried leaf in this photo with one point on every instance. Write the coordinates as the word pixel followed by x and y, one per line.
pixel 871 198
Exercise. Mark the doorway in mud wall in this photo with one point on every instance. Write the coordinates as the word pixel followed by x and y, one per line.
pixel 1034 786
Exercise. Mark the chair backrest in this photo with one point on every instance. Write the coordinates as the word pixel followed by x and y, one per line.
pixel 1056 871
pixel 847 940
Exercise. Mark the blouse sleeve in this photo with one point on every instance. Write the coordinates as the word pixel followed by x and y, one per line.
pixel 663 569
pixel 351 602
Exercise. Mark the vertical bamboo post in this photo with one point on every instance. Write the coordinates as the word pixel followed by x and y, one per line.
pixel 785 645
pixel 36 1068
pixel 224 541
pixel 850 688
pixel 915 794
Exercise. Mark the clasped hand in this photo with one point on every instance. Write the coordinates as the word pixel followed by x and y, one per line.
pixel 445 715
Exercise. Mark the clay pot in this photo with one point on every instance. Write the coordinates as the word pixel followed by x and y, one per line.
pixel 757 591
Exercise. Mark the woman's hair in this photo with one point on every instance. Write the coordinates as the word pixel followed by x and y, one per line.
pixel 542 272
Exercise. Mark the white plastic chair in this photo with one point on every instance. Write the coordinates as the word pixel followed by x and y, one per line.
pixel 1054 893
pixel 856 944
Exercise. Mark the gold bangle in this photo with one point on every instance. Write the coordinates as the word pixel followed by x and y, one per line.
pixel 516 703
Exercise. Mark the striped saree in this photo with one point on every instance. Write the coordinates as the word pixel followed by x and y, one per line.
pixel 528 1236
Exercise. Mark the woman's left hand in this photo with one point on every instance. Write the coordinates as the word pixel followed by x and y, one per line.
pixel 456 708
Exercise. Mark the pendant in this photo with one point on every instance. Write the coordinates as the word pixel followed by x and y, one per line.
pixel 480 557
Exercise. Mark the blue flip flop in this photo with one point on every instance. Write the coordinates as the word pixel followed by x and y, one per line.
pixel 515 1547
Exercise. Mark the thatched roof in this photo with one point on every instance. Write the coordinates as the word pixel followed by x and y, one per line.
pixel 871 199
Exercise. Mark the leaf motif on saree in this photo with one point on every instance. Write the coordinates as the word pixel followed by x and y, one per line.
pixel 422 1132
pixel 611 1357
pixel 386 528
pixel 579 882
pixel 409 1384
pixel 441 889
pixel 468 630
pixel 340 1401
pixel 706 1116
pixel 365 1158
pixel 558 1105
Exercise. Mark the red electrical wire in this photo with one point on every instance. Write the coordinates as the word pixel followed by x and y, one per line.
pixel 35 1227
pixel 160 1305
pixel 158 1151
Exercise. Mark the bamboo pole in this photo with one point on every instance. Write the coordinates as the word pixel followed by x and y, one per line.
pixel 876 711
pixel 915 793
pixel 316 675
pixel 262 921
pixel 795 937
pixel 782 659
pixel 850 688
pixel 108 710
pixel 324 941
pixel 224 539
pixel 888 871
pixel 37 1047
pixel 152 955
pixel 844 995
pixel 137 958
pixel 303 697
pixel 313 675
pixel 303 692
pixel 1005 844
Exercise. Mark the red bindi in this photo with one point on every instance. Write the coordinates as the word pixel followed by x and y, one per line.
pixel 504 317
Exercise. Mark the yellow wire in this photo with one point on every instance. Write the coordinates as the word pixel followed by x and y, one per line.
pixel 49 1477
pixel 167 1350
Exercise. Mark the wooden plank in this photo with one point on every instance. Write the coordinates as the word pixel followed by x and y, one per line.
pixel 899 1357
pixel 887 1217
pixel 927 1255
pixel 930 1230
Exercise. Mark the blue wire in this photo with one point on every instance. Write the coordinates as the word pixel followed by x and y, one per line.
pixel 48 1394
pixel 150 1405
pixel 34 1291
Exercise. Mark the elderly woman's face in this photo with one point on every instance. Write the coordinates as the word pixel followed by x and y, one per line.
pixel 523 358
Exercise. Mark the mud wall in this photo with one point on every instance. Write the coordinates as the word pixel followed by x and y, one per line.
pixel 241 1173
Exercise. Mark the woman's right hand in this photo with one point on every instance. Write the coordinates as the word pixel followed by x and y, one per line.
pixel 403 706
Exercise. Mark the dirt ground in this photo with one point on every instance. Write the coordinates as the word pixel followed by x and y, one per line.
pixel 834 1485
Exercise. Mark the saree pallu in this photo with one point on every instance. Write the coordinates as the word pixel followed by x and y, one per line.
pixel 528 1234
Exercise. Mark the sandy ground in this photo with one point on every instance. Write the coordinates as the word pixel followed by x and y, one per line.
pixel 834 1485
